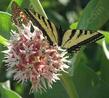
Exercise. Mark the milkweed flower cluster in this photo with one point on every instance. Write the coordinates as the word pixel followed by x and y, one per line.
pixel 31 57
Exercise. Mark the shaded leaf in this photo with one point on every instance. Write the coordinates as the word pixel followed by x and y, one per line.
pixel 94 15
pixel 2 67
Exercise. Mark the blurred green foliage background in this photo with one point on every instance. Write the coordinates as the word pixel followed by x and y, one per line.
pixel 89 72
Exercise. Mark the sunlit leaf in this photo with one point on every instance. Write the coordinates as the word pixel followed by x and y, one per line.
pixel 3 40
pixel 74 25
pixel 106 34
pixel 106 51
pixel 5 24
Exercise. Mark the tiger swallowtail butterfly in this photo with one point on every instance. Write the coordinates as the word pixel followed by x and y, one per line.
pixel 69 39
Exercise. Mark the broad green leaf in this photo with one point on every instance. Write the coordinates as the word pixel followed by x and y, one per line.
pixel 95 15
pixel 5 24
pixel 7 93
pixel 89 84
pixel 86 81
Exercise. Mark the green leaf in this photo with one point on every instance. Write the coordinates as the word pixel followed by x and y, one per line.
pixel 7 93
pixel 94 15
pixel 104 72
pixel 106 34
pixel 69 85
pixel 4 4
pixel 5 24
pixel 2 67
pixel 106 51
pixel 9 6
pixel 38 7
pixel 74 25
pixel 89 84
pixel 57 91
pixel 86 81
pixel 3 40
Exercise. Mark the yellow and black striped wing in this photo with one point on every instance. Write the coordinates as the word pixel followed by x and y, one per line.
pixel 47 27
pixel 71 39
pixel 20 17
pixel 74 39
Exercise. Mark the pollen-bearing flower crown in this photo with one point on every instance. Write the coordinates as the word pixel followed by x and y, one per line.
pixel 31 57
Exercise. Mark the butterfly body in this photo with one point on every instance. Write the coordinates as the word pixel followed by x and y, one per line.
pixel 69 39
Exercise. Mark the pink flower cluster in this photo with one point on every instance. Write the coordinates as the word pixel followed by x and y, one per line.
pixel 31 57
